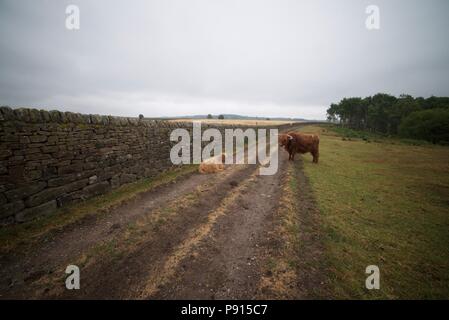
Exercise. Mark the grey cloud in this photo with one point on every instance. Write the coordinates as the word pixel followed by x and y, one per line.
pixel 176 57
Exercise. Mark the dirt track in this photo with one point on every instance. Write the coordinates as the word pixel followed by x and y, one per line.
pixel 204 237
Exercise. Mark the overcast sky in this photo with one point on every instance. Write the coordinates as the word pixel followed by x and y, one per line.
pixel 253 57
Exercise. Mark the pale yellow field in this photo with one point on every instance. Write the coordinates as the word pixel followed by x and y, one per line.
pixel 237 122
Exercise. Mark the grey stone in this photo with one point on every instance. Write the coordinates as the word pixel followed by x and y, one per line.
pixel 7 113
pixel 24 191
pixel 2 199
pixel 55 116
pixel 62 180
pixel 22 114
pixel 33 175
pixel 50 149
pixel 16 173
pixel 77 185
pixel 5 154
pixel 52 140
pixel 127 178
pixel 41 210
pixel 24 139
pixel 44 196
pixel 9 138
pixel 38 138
pixel 35 115
pixel 11 208
pixel 115 181
pixel 95 118
pixel 93 179
pixel 45 115
pixel 97 189
pixel 70 169
pixel 7 221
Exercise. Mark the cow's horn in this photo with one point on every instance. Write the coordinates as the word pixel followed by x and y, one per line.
pixel 289 137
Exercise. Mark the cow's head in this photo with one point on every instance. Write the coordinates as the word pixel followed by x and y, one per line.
pixel 284 140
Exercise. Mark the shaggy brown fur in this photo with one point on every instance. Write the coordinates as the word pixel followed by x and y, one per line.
pixel 295 142
pixel 212 165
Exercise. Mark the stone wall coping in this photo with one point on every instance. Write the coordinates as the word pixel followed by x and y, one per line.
pixel 31 115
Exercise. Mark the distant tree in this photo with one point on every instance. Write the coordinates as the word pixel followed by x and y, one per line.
pixel 352 112
pixel 209 116
pixel 221 117
pixel 430 124
pixel 141 116
pixel 404 105
pixel 267 119
pixel 435 102
pixel 333 113
pixel 377 117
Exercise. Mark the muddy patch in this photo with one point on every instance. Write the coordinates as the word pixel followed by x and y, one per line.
pixel 227 263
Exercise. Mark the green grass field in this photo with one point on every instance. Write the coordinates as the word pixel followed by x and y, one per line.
pixel 383 203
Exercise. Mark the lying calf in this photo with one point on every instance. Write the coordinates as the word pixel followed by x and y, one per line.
pixel 212 165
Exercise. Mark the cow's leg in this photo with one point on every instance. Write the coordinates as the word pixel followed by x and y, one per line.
pixel 315 155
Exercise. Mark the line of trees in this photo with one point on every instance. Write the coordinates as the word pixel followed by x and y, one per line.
pixel 210 116
pixel 410 117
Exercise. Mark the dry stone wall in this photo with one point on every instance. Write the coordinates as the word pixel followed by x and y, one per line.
pixel 49 159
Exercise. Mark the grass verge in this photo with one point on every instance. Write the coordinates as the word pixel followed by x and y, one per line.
pixel 280 272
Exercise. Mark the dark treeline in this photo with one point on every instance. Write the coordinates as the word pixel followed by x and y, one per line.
pixel 409 117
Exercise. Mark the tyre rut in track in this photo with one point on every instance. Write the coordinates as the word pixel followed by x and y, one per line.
pixel 227 262
pixel 127 276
